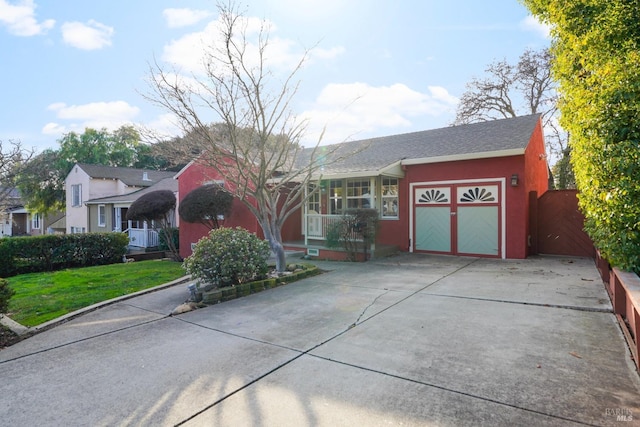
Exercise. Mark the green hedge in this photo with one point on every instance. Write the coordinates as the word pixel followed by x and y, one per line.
pixel 54 252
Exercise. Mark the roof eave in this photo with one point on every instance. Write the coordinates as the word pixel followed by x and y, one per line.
pixel 394 170
pixel 466 156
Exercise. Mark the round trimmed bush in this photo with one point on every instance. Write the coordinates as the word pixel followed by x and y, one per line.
pixel 228 257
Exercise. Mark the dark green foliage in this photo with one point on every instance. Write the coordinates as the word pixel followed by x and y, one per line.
pixel 175 238
pixel 154 205
pixel 596 46
pixel 41 183
pixel 205 205
pixel 356 231
pixel 5 295
pixel 54 252
pixel 228 257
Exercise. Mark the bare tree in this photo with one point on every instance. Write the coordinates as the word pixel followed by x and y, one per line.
pixel 512 90
pixel 13 158
pixel 257 148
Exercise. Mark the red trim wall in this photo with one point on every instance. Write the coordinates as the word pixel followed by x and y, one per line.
pixel 193 177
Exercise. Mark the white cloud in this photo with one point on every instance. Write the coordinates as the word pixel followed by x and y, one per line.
pixel 177 18
pixel 20 19
pixel 96 115
pixel 531 23
pixel 186 53
pixel 90 36
pixel 350 111
pixel 53 129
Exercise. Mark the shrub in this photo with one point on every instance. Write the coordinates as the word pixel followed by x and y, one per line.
pixel 228 257
pixel 5 294
pixel 53 252
pixel 356 229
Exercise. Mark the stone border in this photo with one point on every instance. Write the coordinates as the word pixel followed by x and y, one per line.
pixel 229 293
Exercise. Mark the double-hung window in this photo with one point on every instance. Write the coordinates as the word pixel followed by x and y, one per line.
pixel 76 195
pixel 102 216
pixel 359 194
pixel 35 221
pixel 389 190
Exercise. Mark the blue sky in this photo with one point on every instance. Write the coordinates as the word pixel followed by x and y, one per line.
pixel 71 64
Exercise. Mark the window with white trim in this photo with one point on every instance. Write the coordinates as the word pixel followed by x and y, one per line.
pixel 359 194
pixel 313 203
pixel 335 197
pixel 76 195
pixel 35 221
pixel 389 192
pixel 102 216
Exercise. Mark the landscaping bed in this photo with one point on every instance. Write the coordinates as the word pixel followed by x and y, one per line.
pixel 294 273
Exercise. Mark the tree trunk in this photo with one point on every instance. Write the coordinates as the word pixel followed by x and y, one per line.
pixel 278 250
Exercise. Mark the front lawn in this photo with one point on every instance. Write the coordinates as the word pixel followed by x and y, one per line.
pixel 41 297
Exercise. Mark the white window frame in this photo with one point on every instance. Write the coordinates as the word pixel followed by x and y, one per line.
pixel 76 195
pixel 35 221
pixel 336 196
pixel 356 192
pixel 389 193
pixel 102 216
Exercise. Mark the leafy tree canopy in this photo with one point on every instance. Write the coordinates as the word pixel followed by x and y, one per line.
pixel 41 182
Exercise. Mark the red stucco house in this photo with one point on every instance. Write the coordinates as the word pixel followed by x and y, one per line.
pixel 460 190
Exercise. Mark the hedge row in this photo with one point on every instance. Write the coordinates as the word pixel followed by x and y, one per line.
pixel 21 255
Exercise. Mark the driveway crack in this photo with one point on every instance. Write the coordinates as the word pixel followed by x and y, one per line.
pixel 369 306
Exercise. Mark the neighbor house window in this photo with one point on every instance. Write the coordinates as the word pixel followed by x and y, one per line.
pixel 76 195
pixel 358 193
pixel 389 190
pixel 35 222
pixel 335 197
pixel 102 216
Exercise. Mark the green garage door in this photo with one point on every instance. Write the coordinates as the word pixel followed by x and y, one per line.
pixel 478 230
pixel 467 223
pixel 433 232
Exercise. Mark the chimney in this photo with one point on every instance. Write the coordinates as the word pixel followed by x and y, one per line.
pixel 145 176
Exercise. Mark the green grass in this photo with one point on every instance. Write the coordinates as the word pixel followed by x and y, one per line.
pixel 41 297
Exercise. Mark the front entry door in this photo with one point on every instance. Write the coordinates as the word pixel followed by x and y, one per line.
pixel 458 219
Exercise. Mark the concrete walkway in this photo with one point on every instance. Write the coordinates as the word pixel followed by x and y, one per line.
pixel 407 340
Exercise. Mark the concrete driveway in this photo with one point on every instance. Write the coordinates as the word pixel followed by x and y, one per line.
pixel 407 340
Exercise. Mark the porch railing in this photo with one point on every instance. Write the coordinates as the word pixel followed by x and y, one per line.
pixel 318 225
pixel 142 238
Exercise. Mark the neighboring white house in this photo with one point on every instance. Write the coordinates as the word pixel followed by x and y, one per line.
pixel 110 214
pixel 17 220
pixel 87 183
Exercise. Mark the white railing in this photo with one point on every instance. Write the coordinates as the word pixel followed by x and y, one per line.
pixel 318 225
pixel 143 238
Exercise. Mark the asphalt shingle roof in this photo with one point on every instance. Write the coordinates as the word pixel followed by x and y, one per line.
pixel 129 176
pixel 505 135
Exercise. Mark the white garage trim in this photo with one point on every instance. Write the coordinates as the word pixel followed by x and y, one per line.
pixel 502 203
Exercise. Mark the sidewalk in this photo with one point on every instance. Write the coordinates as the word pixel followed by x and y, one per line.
pixel 406 340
